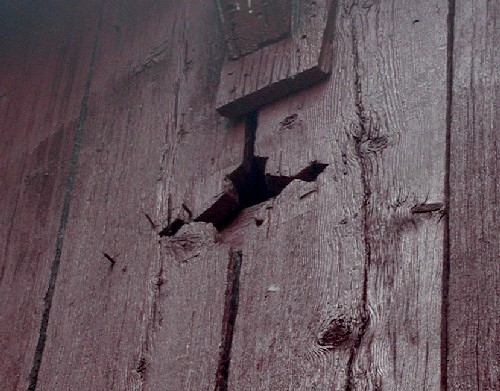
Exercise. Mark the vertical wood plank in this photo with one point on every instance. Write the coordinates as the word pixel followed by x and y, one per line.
pixel 301 307
pixel 342 276
pixel 474 268
pixel 343 290
pixel 133 311
pixel 44 60
pixel 400 48
pixel 187 309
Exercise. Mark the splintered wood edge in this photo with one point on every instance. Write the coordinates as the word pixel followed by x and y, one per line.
pixel 234 100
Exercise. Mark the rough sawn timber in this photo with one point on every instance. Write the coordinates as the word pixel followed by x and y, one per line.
pixel 150 319
pixel 401 143
pixel 250 25
pixel 342 278
pixel 341 285
pixel 473 300
pixel 300 60
pixel 44 65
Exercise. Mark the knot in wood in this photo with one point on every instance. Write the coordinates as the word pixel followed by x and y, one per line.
pixel 337 333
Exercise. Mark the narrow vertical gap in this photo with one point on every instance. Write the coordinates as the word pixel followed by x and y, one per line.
pixel 79 128
pixel 228 320
pixel 446 236
pixel 250 180
pixel 362 135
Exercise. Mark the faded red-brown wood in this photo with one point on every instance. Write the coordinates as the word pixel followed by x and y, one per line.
pixel 275 71
pixel 341 279
pixel 249 25
pixel 341 284
pixel 152 142
pixel 44 60
pixel 183 338
pixel 474 271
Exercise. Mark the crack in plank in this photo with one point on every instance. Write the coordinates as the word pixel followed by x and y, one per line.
pixel 229 320
pixel 365 169
pixel 79 128
pixel 446 238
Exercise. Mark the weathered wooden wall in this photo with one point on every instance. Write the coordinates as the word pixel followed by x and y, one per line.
pixel 376 268
pixel 45 51
pixel 360 274
pixel 473 311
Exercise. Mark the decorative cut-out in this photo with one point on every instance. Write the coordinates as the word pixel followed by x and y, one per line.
pixel 299 60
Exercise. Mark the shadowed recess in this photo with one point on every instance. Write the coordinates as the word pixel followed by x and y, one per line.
pixel 248 185
pixel 228 320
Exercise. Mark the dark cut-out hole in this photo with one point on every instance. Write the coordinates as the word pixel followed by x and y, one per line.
pixel 172 228
pixel 311 172
pixel 276 184
pixel 254 186
pixel 220 211
pixel 249 185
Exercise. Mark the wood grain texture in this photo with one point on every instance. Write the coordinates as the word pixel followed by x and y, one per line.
pixel 342 277
pixel 44 61
pixel 474 269
pixel 341 285
pixel 401 146
pixel 275 71
pixel 184 332
pixel 302 269
pixel 250 25
pixel 150 319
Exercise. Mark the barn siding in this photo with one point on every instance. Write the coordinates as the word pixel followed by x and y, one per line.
pixel 152 320
pixel 44 62
pixel 110 134
pixel 355 264
pixel 474 243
